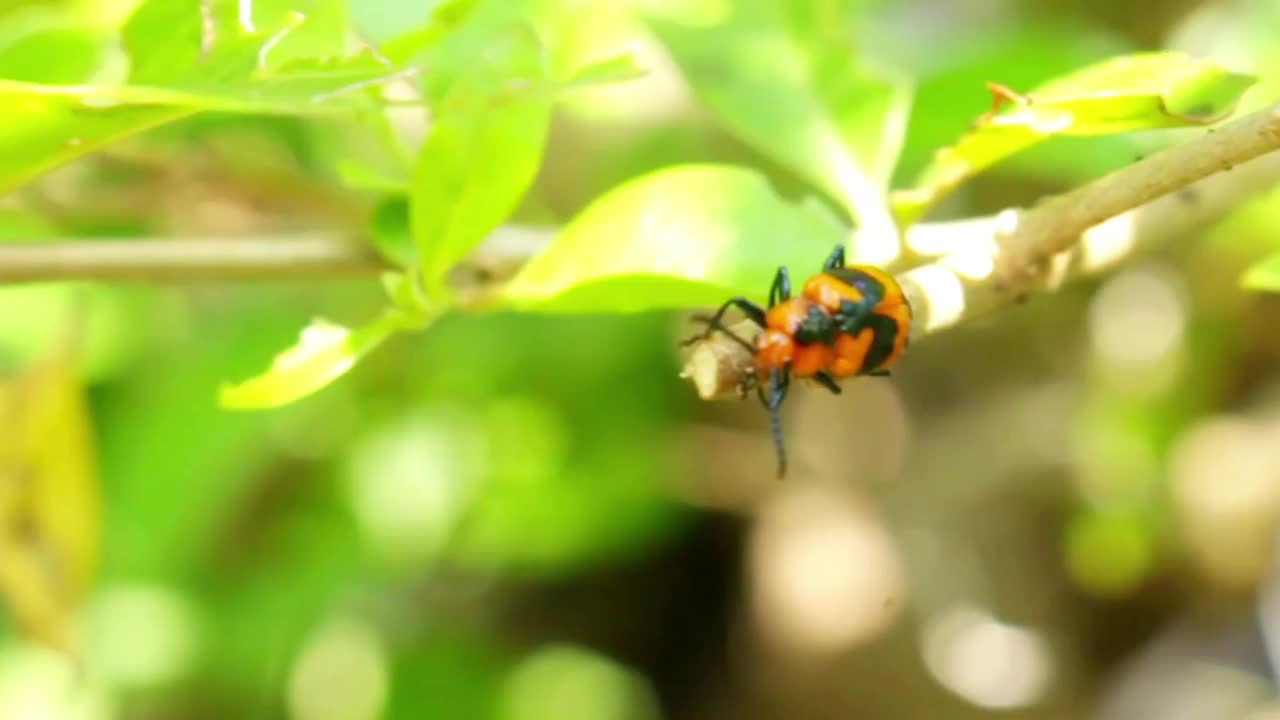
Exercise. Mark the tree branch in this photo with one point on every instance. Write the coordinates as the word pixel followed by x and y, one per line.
pixel 982 263
pixel 986 263
pixel 184 260
pixel 1036 235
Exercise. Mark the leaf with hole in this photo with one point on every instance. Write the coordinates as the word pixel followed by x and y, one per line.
pixel 324 352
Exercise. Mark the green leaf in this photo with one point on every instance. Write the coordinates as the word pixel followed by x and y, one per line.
pixel 389 228
pixel 444 22
pixel 1264 276
pixel 174 44
pixel 51 521
pixel 56 54
pixel 481 153
pixel 606 71
pixel 806 103
pixel 679 237
pixel 1132 92
pixel 324 352
pixel 43 126
pixel 179 69
pixel 364 176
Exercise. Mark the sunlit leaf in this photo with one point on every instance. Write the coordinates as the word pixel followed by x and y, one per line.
pixel 363 176
pixel 808 103
pixel 618 68
pixel 1263 276
pixel 177 69
pixel 54 53
pixel 324 352
pixel 680 237
pixel 182 44
pixel 949 93
pixel 389 228
pixel 481 153
pixel 49 502
pixel 444 21
pixel 1127 93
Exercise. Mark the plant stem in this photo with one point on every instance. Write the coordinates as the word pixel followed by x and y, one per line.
pixel 188 260
pixel 965 283
pixel 983 264
pixel 1056 225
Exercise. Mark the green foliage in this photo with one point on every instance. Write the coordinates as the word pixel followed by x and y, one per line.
pixel 1124 94
pixel 682 237
pixel 48 51
pixel 1020 55
pixel 789 81
pixel 178 67
pixel 1264 275
pixel 324 352
pixel 800 96
pixel 533 446
pixel 482 152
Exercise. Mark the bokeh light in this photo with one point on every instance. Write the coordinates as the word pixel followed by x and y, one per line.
pixel 39 684
pixel 140 636
pixel 1226 491
pixel 567 681
pixel 409 482
pixel 987 662
pixel 826 575
pixel 341 673
pixel 1137 323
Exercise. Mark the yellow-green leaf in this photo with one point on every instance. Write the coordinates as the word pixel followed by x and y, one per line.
pixel 50 508
pixel 177 69
pixel 1264 276
pixel 1127 93
pixel 808 102
pixel 482 152
pixel 680 237
pixel 324 352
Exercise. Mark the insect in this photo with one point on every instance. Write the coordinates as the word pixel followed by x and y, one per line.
pixel 847 320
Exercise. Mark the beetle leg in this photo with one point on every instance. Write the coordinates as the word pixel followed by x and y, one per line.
pixel 828 382
pixel 754 312
pixel 780 290
pixel 779 379
pixel 835 260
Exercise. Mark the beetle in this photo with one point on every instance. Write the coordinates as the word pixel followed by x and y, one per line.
pixel 848 320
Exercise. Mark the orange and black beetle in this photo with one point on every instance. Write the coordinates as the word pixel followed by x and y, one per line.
pixel 847 320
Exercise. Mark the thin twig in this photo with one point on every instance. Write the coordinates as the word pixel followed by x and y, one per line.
pixel 1036 235
pixel 187 260
pixel 963 284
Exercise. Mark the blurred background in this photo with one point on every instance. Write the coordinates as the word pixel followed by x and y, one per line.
pixel 1067 510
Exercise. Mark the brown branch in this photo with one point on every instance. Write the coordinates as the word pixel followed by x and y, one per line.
pixel 1036 235
pixel 187 260
pixel 963 283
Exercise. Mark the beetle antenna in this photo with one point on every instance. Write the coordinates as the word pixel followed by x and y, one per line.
pixel 778 382
pixel 775 425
